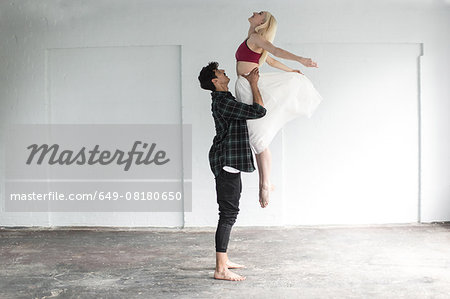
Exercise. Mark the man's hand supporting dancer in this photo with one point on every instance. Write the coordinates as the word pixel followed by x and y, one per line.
pixel 253 78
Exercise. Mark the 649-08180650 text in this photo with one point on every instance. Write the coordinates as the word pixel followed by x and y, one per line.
pixel 102 196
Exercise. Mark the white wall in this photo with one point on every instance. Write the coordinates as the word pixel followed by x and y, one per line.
pixel 211 30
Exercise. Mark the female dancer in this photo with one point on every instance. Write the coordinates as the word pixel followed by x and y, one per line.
pixel 286 95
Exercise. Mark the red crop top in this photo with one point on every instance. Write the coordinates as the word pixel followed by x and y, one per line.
pixel 244 53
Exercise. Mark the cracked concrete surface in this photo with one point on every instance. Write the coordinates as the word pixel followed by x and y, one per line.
pixel 385 261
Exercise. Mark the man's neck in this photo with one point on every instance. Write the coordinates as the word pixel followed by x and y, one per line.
pixel 221 88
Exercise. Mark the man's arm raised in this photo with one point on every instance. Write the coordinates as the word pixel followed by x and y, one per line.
pixel 237 110
pixel 253 78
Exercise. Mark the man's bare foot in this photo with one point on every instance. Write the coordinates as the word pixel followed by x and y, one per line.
pixel 232 265
pixel 227 275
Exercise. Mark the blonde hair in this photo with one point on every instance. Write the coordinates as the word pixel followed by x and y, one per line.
pixel 267 30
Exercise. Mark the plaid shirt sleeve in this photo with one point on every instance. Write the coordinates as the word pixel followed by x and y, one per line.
pixel 231 145
pixel 232 109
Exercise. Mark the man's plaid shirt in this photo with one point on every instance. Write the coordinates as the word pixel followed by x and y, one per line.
pixel 231 146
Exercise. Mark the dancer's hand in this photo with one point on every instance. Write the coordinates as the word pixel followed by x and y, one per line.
pixel 253 76
pixel 297 71
pixel 308 62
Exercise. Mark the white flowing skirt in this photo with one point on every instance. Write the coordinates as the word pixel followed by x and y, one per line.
pixel 285 95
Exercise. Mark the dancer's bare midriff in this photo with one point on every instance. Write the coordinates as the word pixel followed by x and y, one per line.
pixel 245 67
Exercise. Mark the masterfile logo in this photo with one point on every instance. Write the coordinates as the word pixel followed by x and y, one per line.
pixel 107 167
pixel 68 157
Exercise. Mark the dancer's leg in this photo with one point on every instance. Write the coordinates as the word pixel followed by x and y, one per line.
pixel 264 161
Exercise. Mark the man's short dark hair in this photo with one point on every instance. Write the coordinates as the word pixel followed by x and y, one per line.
pixel 207 74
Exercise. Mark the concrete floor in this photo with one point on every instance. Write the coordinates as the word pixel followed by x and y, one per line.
pixel 386 261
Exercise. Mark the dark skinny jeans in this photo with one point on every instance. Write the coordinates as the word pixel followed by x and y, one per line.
pixel 228 189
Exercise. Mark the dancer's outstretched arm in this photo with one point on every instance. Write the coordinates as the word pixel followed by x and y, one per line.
pixel 261 42
pixel 276 64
